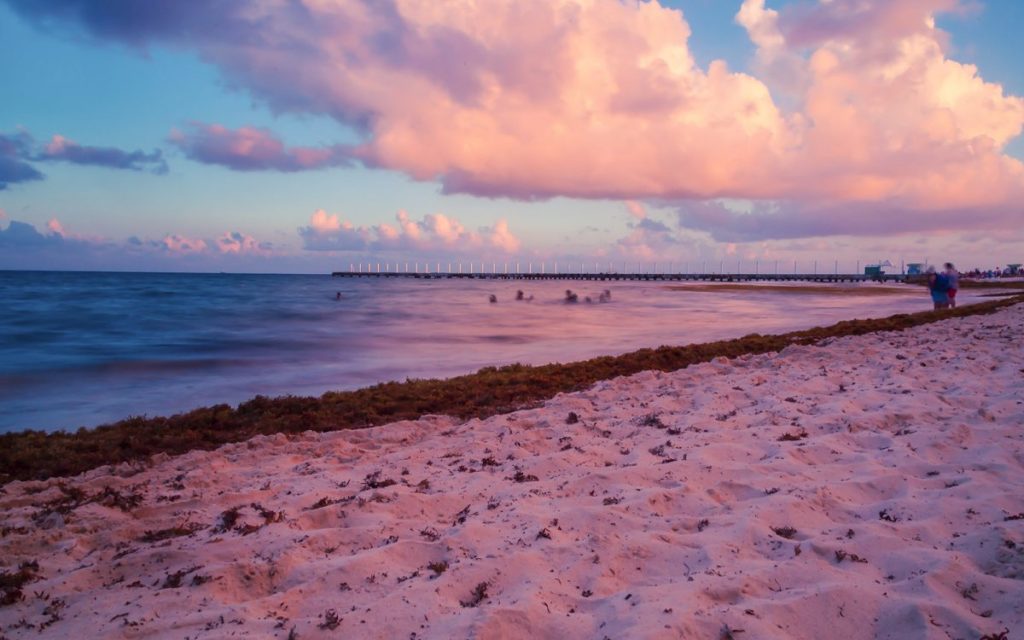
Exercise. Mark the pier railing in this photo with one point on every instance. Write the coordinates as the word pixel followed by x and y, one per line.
pixel 611 276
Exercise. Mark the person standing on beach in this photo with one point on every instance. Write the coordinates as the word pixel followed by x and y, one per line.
pixel 938 286
pixel 953 277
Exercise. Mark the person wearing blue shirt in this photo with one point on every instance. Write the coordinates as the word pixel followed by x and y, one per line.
pixel 953 277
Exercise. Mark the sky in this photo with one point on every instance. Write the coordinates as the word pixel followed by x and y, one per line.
pixel 313 135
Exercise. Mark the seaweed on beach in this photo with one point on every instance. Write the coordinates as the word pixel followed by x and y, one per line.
pixel 373 481
pixel 792 437
pixel 331 620
pixel 178 531
pixel 227 519
pixel 523 477
pixel 35 455
pixel 114 499
pixel 460 517
pixel 786 532
pixel 438 567
pixel 326 502
pixel 884 514
pixel 12 583
pixel 652 420
pixel 478 595
pixel 853 557
pixel 71 498
pixel 173 580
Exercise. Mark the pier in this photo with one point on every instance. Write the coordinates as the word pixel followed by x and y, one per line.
pixel 641 277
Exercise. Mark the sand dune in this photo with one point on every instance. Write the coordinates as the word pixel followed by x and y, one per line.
pixel 870 487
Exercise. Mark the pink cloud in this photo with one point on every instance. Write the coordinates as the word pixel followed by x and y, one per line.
pixel 181 245
pixel 435 232
pixel 636 209
pixel 234 242
pixel 252 149
pixel 23 246
pixel 66 150
pixel 886 116
pixel 856 103
pixel 54 226
pixel 502 238
pixel 322 222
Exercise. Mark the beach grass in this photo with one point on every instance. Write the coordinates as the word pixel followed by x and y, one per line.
pixel 37 455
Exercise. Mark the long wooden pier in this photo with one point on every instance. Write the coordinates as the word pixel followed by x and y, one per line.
pixel 643 277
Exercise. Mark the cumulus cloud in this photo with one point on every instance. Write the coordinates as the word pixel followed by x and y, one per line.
pixel 500 237
pixel 327 233
pixel 23 235
pixel 53 246
pixel 550 97
pixel 435 232
pixel 179 244
pixel 63 149
pixel 855 103
pixel 253 149
pixel 240 243
pixel 885 115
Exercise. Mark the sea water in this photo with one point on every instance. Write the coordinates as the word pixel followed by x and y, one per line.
pixel 82 349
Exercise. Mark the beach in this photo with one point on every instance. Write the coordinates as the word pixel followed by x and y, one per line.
pixel 864 487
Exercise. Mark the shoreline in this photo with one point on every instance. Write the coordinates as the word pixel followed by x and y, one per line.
pixel 38 455
pixel 858 486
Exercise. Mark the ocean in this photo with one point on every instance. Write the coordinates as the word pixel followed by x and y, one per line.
pixel 82 349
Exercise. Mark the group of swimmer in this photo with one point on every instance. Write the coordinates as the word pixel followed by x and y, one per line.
pixel 571 297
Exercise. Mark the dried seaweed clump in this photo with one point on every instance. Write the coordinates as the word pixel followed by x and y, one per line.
pixel 11 583
pixel 478 595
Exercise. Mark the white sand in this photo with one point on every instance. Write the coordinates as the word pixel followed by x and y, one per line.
pixel 912 465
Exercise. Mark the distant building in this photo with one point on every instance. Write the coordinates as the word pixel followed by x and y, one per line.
pixel 915 268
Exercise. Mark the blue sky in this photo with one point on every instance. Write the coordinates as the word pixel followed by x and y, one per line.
pixel 106 92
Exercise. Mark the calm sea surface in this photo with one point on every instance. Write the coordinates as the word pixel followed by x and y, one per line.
pixel 81 349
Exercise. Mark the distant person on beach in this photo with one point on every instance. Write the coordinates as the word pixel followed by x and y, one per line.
pixel 938 286
pixel 953 276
